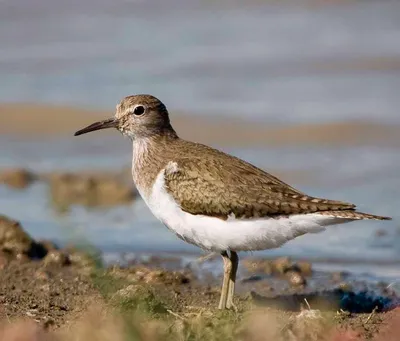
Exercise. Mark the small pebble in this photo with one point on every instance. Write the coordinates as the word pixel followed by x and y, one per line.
pixel 56 257
pixel 295 278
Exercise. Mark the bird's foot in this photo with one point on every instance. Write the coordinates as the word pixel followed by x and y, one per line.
pixel 231 306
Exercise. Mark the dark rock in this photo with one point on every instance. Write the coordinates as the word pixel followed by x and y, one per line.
pixel 253 278
pixel 13 239
pixel 17 243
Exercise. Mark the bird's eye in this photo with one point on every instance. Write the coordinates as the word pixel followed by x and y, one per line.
pixel 139 110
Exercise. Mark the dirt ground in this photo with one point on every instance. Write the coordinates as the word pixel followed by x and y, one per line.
pixel 53 295
pixel 50 295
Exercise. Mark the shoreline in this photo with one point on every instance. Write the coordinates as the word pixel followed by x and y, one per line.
pixel 35 121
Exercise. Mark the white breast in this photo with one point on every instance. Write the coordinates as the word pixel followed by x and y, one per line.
pixel 215 234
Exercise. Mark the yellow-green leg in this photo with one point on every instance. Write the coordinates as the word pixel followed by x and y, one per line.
pixel 225 282
pixel 232 279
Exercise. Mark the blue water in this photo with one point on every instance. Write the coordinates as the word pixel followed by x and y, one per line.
pixel 261 60
pixel 272 63
pixel 362 175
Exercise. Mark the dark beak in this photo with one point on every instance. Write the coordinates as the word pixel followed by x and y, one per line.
pixel 110 123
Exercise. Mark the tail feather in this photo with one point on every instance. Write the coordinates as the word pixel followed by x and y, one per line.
pixel 353 215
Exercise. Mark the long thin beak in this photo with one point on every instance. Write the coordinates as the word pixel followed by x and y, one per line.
pixel 109 123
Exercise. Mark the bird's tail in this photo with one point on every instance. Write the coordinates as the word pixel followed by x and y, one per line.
pixel 353 215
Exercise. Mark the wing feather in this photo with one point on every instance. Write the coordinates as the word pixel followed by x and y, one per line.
pixel 216 187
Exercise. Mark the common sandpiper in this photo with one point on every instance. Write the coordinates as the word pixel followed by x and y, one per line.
pixel 213 200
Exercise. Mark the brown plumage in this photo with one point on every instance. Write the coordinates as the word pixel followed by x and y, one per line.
pixel 207 181
pixel 213 183
pixel 210 182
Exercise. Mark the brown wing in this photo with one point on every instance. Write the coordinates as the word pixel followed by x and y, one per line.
pixel 224 185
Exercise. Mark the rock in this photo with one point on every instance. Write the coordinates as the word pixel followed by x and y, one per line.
pixel 252 278
pixel 17 243
pixel 304 267
pixel 13 239
pixel 89 190
pixel 295 278
pixel 56 257
pixel 166 277
pixel 281 265
pixel 258 265
pixel 17 178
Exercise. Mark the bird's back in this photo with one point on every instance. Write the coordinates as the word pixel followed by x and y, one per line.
pixel 231 185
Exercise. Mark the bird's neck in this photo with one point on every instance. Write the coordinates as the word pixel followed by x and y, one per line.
pixel 150 156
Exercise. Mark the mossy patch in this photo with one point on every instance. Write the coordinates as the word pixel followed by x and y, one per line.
pixel 138 298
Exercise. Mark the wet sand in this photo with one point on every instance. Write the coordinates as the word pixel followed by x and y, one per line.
pixel 34 121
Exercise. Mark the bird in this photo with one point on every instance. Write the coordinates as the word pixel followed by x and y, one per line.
pixel 214 200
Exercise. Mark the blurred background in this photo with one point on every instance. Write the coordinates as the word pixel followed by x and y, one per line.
pixel 308 90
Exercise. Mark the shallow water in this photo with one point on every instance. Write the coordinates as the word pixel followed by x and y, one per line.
pixel 272 63
pixel 132 228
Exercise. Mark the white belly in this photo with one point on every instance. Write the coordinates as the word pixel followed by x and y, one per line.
pixel 214 234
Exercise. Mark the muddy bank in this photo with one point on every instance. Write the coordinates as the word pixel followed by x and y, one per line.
pixel 40 281
pixel 44 121
pixel 62 292
pixel 86 188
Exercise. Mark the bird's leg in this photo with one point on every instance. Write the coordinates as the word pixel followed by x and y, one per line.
pixel 225 282
pixel 232 279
